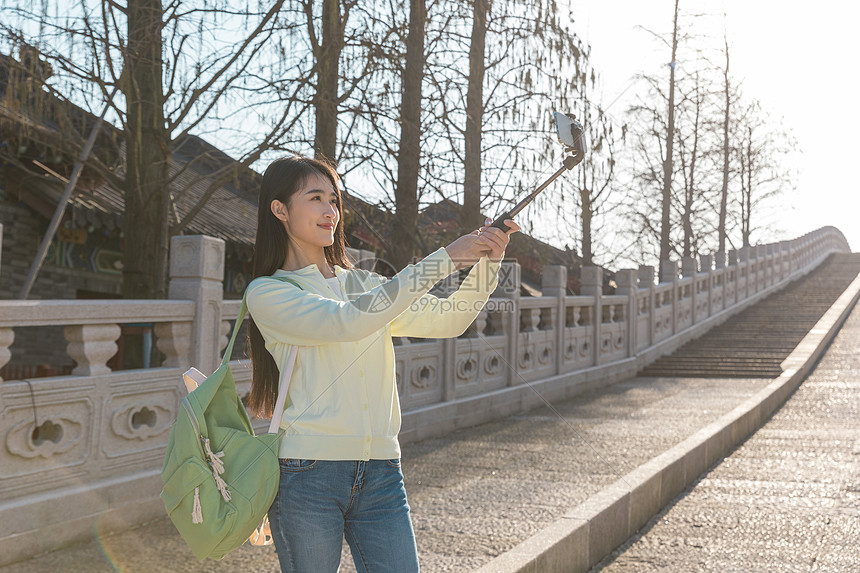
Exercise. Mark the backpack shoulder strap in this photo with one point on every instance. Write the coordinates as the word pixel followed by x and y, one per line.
pixel 284 384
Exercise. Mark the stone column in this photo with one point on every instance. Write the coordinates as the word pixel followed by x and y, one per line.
pixel 744 263
pixel 628 285
pixel 554 283
pixel 706 265
pixel 669 274
pixel 591 283
pixel 197 273
pixel 509 288
pixel 449 345
pixel 646 280
pixel 689 269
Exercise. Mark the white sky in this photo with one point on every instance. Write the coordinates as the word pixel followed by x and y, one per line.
pixel 797 58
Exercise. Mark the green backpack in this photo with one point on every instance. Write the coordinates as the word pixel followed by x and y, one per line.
pixel 219 478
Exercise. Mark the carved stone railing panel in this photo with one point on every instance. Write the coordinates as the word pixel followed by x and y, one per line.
pixel 613 332
pixel 421 369
pixel 578 341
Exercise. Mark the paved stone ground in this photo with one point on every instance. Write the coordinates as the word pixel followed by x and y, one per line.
pixel 478 492
pixel 788 499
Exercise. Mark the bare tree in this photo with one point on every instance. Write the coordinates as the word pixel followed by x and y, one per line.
pixel 665 221
pixel 175 73
pixel 726 150
pixel 763 149
pixel 595 176
pixel 408 157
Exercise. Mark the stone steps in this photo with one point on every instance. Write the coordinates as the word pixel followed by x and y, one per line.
pixel 753 343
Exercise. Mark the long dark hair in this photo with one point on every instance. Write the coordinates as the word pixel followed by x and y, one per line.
pixel 281 180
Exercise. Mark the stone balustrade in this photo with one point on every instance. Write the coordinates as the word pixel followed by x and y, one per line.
pixel 82 453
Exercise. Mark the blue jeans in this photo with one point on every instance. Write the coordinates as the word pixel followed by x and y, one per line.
pixel 320 502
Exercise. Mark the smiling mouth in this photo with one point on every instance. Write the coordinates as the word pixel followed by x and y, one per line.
pixel 327 227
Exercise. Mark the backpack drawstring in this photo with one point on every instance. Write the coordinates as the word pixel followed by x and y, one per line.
pixel 217 469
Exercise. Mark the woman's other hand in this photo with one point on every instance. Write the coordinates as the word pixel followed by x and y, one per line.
pixel 495 240
pixel 467 250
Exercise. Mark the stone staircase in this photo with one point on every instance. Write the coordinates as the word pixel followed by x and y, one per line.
pixel 753 343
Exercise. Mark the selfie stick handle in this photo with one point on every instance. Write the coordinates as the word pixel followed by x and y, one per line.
pixel 570 162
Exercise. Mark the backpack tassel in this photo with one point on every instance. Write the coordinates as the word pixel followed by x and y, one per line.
pixel 217 469
pixel 197 511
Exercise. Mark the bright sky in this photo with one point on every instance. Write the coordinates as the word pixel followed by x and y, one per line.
pixel 799 59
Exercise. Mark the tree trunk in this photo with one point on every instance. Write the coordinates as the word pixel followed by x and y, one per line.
pixel 146 195
pixel 724 193
pixel 409 155
pixel 470 217
pixel 690 194
pixel 587 215
pixel 326 97
pixel 665 226
pixel 746 213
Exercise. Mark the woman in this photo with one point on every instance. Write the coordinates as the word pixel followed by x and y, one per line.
pixel 340 458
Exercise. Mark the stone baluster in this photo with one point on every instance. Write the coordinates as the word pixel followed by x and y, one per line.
pixel 669 274
pixel 173 339
pixel 628 285
pixel 785 248
pixel 592 285
pixel 733 262
pixel 554 283
pixel 646 279
pixel 225 333
pixel 529 319
pixel 449 345
pixel 7 337
pixel 706 264
pixel 91 346
pixel 689 269
pixel 745 265
pixel 509 288
pixel 196 273
pixel 481 321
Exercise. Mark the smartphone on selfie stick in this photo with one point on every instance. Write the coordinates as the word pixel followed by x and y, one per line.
pixel 570 135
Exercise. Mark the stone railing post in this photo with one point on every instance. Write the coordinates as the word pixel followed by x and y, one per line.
pixel 669 274
pixel 449 345
pixel 689 269
pixel 706 265
pixel 197 273
pixel 591 283
pixel 554 283
pixel 733 262
pixel 509 288
pixel 646 278
pixel 628 285
pixel 744 262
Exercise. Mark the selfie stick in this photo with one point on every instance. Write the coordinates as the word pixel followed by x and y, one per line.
pixel 569 162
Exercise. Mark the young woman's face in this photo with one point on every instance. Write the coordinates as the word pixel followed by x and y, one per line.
pixel 312 215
